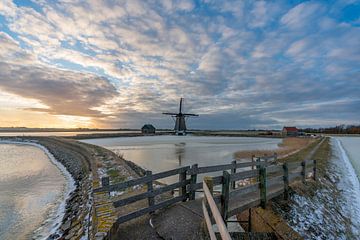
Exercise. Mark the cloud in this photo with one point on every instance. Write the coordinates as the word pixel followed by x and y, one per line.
pixel 132 59
pixel 62 92
pixel 302 14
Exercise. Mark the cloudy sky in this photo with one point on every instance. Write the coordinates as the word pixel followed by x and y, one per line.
pixel 239 64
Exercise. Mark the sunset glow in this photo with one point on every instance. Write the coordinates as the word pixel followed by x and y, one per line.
pixel 119 64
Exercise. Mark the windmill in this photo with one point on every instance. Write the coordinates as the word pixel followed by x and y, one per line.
pixel 180 126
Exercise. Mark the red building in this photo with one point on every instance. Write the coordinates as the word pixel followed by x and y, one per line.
pixel 290 132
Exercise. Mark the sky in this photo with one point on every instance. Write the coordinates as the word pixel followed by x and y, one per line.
pixel 120 64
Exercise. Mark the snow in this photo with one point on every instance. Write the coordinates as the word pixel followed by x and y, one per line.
pixel 332 211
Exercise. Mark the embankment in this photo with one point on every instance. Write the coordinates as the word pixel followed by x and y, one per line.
pixel 319 210
pixel 79 220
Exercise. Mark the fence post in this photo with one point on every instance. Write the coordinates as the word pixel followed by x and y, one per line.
pixel 258 161
pixel 275 157
pixel 182 177
pixel 149 184
pixel 225 195
pixel 303 171
pixel 266 159
pixel 233 171
pixel 286 181
pixel 194 170
pixel 263 193
pixel 314 169
pixel 252 160
pixel 105 181
pixel 249 221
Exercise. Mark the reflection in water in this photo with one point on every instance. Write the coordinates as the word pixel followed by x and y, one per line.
pixel 179 151
pixel 30 188
pixel 161 153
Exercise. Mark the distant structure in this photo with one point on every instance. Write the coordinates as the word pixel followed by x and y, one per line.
pixel 180 125
pixel 148 129
pixel 290 132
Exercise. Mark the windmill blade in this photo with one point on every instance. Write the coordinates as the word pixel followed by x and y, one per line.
pixel 165 113
pixel 190 114
pixel 180 108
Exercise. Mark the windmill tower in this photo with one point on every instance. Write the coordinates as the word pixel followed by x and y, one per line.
pixel 180 125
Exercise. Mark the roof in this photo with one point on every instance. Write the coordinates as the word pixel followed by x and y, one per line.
pixel 148 126
pixel 290 129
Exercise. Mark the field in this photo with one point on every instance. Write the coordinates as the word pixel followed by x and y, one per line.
pixel 287 147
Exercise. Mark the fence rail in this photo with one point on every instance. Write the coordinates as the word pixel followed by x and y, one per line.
pixel 208 200
pixel 269 182
pixel 187 184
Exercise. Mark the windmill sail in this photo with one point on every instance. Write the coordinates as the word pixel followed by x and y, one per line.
pixel 180 123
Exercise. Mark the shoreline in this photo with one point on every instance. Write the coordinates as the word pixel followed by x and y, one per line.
pixel 353 177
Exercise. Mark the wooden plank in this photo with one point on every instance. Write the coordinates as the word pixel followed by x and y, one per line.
pixel 209 182
pixel 215 168
pixel 275 181
pixel 296 170
pixel 208 221
pixel 293 176
pixel 144 211
pixel 194 187
pixel 193 170
pixel 275 193
pixel 124 185
pixel 274 169
pixel 155 192
pixel 292 165
pixel 216 214
pixel 244 190
pixel 249 164
pixel 244 175
pixel 141 180
pixel 217 180
pixel 169 173
pixel 225 195
pixel 251 203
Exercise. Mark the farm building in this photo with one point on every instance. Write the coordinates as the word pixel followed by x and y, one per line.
pixel 290 132
pixel 148 129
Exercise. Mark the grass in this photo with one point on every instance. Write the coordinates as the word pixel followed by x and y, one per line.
pixel 286 147
pixel 302 153
pixel 322 155
pixel 115 176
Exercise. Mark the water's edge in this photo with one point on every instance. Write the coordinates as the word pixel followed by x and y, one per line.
pixel 57 215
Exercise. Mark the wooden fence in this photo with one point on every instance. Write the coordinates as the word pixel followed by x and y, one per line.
pixel 187 184
pixel 267 182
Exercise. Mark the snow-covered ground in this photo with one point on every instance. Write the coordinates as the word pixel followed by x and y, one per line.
pixel 332 208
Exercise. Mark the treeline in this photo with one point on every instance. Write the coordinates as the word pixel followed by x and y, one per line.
pixel 340 129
